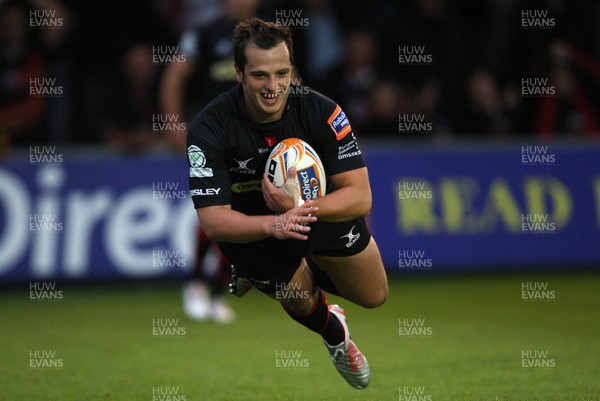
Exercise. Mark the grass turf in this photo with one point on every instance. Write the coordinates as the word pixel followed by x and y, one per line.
pixel 478 325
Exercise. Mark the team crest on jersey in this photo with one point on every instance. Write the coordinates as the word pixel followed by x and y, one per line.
pixel 270 140
pixel 339 123
pixel 196 156
pixel 198 162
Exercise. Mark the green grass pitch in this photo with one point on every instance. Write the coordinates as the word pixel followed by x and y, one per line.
pixel 471 336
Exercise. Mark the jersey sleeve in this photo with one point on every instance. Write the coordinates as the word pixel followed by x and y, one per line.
pixel 339 150
pixel 209 176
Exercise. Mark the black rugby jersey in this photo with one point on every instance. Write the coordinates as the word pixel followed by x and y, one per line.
pixel 227 151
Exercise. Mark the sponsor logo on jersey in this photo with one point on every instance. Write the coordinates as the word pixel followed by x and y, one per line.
pixel 242 167
pixel 253 185
pixel 309 183
pixel 205 192
pixel 347 155
pixel 201 172
pixel 263 151
pixel 196 156
pixel 349 149
pixel 339 123
pixel 352 238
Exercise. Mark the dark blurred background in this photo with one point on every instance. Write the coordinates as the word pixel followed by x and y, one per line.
pixel 101 56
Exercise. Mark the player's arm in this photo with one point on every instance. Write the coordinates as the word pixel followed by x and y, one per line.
pixel 221 223
pixel 342 159
pixel 350 200
pixel 172 85
pixel 171 96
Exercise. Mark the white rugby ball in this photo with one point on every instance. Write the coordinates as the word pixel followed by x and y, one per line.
pixel 310 174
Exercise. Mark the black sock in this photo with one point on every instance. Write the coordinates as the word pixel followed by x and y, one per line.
pixel 320 320
pixel 321 278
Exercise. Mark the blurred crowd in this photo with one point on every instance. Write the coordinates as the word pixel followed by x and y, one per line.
pixel 74 72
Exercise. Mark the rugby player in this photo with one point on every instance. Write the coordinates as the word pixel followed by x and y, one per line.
pixel 272 242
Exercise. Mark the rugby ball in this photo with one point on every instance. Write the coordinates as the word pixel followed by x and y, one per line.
pixel 310 174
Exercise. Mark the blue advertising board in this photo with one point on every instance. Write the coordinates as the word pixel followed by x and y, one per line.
pixel 94 218
pixel 478 207
pixel 77 217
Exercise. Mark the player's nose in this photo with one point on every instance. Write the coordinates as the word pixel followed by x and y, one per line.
pixel 272 84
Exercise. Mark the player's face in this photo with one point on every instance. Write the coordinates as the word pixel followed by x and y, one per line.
pixel 266 81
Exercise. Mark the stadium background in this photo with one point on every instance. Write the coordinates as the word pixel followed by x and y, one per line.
pixel 479 123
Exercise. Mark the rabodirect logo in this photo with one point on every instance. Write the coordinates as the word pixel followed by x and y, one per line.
pixel 309 183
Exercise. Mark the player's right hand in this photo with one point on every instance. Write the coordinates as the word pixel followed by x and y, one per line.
pixel 281 199
pixel 293 224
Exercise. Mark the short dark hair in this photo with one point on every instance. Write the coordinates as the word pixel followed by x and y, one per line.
pixel 266 35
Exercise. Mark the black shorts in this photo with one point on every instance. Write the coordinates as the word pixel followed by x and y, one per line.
pixel 271 263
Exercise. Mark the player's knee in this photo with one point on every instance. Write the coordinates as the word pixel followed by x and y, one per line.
pixel 376 298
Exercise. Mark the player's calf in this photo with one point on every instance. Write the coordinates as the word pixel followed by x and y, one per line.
pixel 317 318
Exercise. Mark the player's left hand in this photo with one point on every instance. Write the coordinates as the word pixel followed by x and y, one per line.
pixel 280 200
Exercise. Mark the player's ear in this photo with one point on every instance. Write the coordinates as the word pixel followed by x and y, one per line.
pixel 238 73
